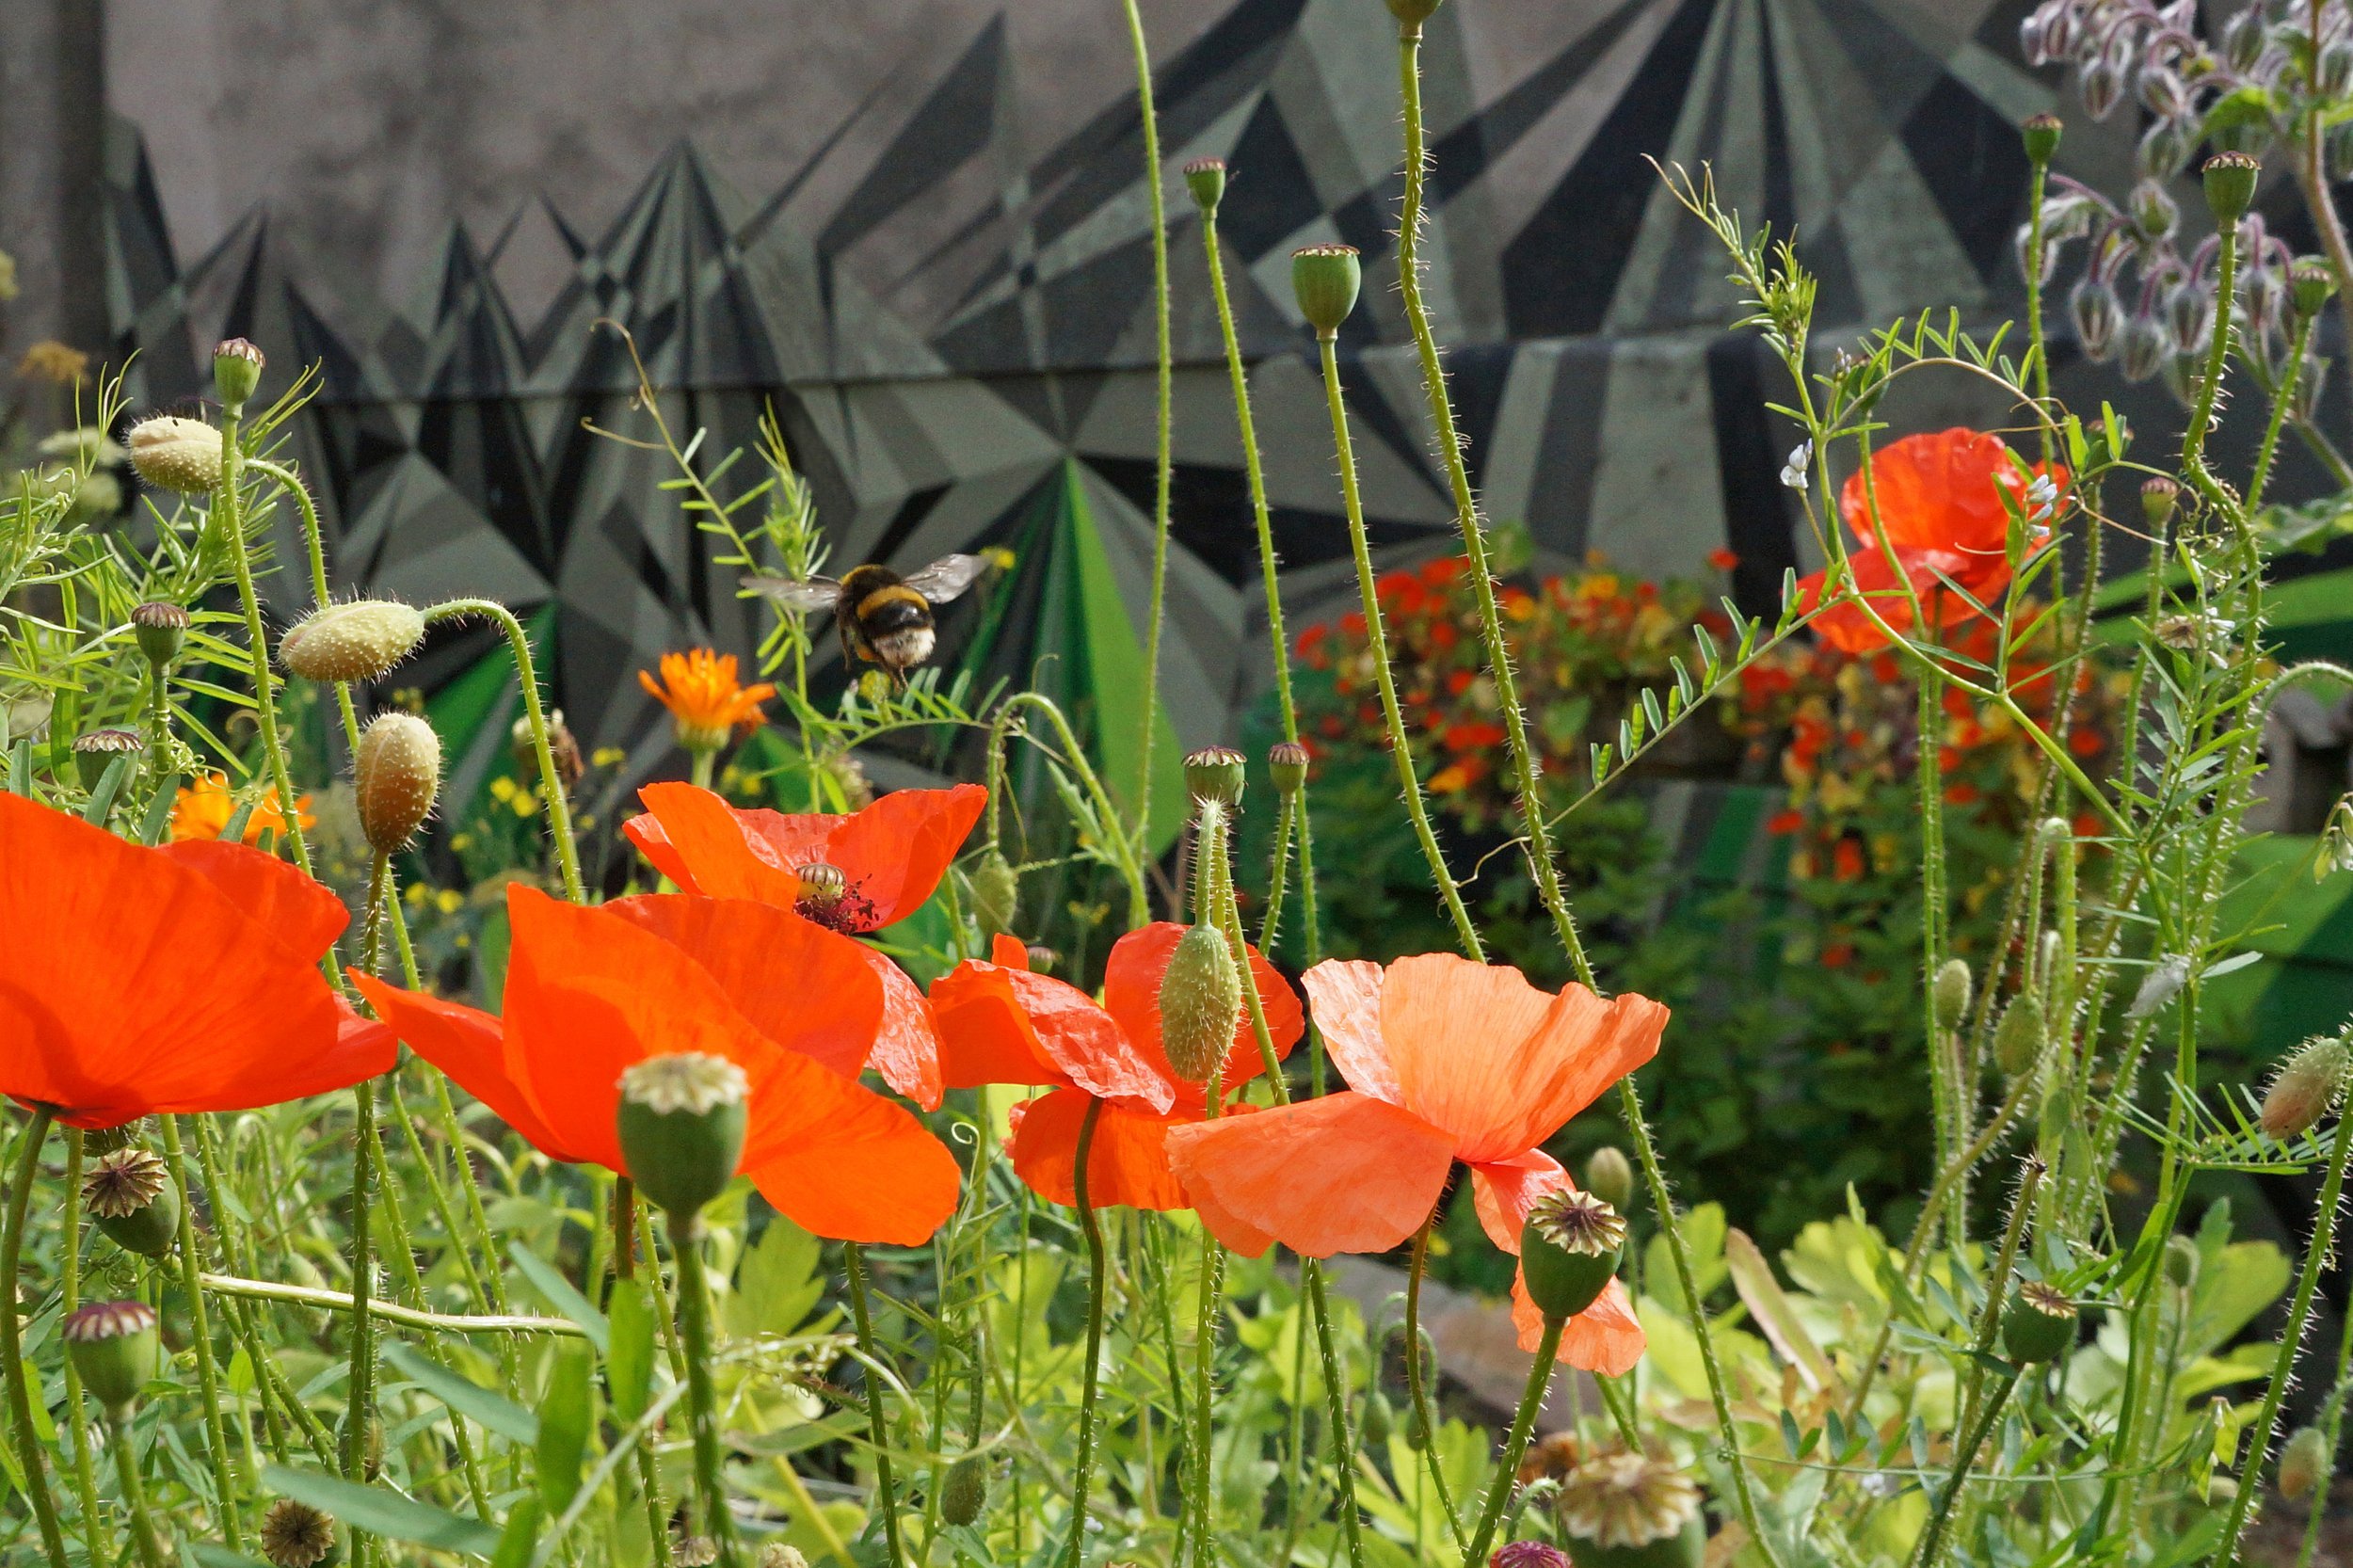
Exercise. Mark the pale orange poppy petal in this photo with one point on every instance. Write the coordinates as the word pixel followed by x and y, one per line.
pixel 1008 952
pixel 707 837
pixel 895 850
pixel 644 831
pixel 1503 1191
pixel 1127 1163
pixel 1131 994
pixel 301 911
pixel 468 1046
pixel 1345 996
pixel 1607 1338
pixel 906 1050
pixel 841 1160
pixel 1346 1173
pixel 988 1016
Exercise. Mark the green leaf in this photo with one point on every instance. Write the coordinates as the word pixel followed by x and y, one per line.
pixel 778 1284
pixel 520 1535
pixel 464 1395
pixel 566 1411
pixel 559 1293
pixel 381 1510
pixel 209 1556
pixel 629 1364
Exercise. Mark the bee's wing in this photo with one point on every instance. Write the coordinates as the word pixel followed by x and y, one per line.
pixel 947 577
pixel 816 595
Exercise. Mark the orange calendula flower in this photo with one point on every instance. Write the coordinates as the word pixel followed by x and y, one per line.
pixel 175 979
pixel 890 857
pixel 706 700
pixel 592 991
pixel 999 1023
pixel 201 810
pixel 1447 1059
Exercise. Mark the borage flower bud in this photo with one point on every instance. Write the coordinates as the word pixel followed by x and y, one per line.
pixel 1206 179
pixel 397 773
pixel 2144 347
pixel 965 1493
pixel 2311 285
pixel 681 1123
pixel 1200 1004
pixel 2243 39
pixel 1287 764
pixel 94 751
pixel 996 893
pixel 1622 1509
pixel 2305 1088
pixel 361 639
pixel 115 1349
pixel 1569 1252
pixel 2101 85
pixel 2337 152
pixel 2165 149
pixel 2335 72
pixel 296 1535
pixel 2041 136
pixel 1214 773
pixel 130 1196
pixel 2157 496
pixel 2018 1038
pixel 2229 180
pixel 236 371
pixel 178 455
pixel 2038 1324
pixel 2154 212
pixel 2303 1462
pixel 1326 279
pixel 1609 1177
pixel 160 628
pixel 2097 314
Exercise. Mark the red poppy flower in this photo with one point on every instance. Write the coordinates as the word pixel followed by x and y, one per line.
pixel 589 992
pixel 1941 502
pixel 891 854
pixel 172 980
pixel 999 1023
pixel 1448 1060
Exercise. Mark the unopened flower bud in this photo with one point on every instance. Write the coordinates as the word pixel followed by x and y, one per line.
pixel 1200 1004
pixel 2230 181
pixel 130 1195
pixel 1569 1251
pixel 1950 992
pixel 94 751
pixel 1609 1177
pixel 1214 773
pixel 1377 1419
pixel 1412 13
pixel 2165 149
pixel 777 1555
pixel 1206 179
pixel 2041 136
pixel 2182 1262
pixel 2018 1037
pixel 965 1493
pixel 160 629
pixel 2305 1088
pixel 296 1535
pixel 2335 74
pixel 397 773
pixel 115 1349
pixel 996 893
pixel 2310 284
pixel 2190 316
pixel 2097 315
pixel 2038 1324
pixel 563 747
pixel 2157 497
pixel 236 371
pixel 2154 212
pixel 360 639
pixel 1326 279
pixel 175 454
pixel 2144 347
pixel 2101 85
pixel 1042 958
pixel 2162 93
pixel 681 1122
pixel 2243 39
pixel 2303 1462
pixel 1286 763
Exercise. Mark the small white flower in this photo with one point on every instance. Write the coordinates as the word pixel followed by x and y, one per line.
pixel 2042 496
pixel 1793 473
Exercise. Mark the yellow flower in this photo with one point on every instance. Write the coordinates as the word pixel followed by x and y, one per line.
pixel 202 809
pixel 53 362
pixel 706 700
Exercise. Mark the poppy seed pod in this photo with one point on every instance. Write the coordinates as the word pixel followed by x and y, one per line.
pixel 115 1347
pixel 1951 992
pixel 2305 1088
pixel 777 1555
pixel 996 893
pixel 130 1196
pixel 1414 13
pixel 94 751
pixel 160 628
pixel 360 639
pixel 965 1493
pixel 681 1123
pixel 2038 1324
pixel 1625 1510
pixel 1569 1252
pixel 2018 1038
pixel 2041 136
pixel 2229 180
pixel 398 772
pixel 1206 179
pixel 1214 773
pixel 2157 496
pixel 1287 764
pixel 296 1535
pixel 236 371
pixel 1042 958
pixel 1326 279
pixel 1609 1177
pixel 1200 1004
pixel 2311 285
pixel 2303 1462
pixel 174 453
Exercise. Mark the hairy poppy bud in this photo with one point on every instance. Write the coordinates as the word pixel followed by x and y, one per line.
pixel 296 1535
pixel 130 1196
pixel 1528 1554
pixel 160 628
pixel 2311 285
pixel 2229 180
pixel 2157 496
pixel 1379 1418
pixel 996 893
pixel 115 1349
pixel 2041 136
pixel 1200 1004
pixel 1286 763
pixel 360 639
pixel 1326 279
pixel 965 1493
pixel 1950 992
pixel 398 772
pixel 94 751
pixel 2303 1462
pixel 681 1122
pixel 2038 1324
pixel 777 1555
pixel 1626 1510
pixel 175 454
pixel 2018 1038
pixel 1214 773
pixel 1569 1252
pixel 236 371
pixel 1609 1177
pixel 2304 1089
pixel 1206 179
pixel 2182 1262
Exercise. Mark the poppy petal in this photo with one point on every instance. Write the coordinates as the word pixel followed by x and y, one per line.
pixel 644 831
pixel 707 839
pixel 1127 1163
pixel 302 912
pixel 468 1046
pixel 1345 996
pixel 895 850
pixel 1131 994
pixel 1503 1191
pixel 906 1050
pixel 840 1160
pixel 1010 1025
pixel 1346 1173
pixel 1605 1339
pixel 1008 952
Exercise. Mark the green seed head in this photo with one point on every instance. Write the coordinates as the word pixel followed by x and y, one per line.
pixel 397 773
pixel 1609 1177
pixel 2041 136
pixel 2312 284
pixel 2304 1089
pixel 160 629
pixel 2038 1324
pixel 2157 496
pixel 1326 278
pixel 1379 1418
pixel 94 751
pixel 1206 179
pixel 1287 761
pixel 115 1347
pixel 2230 178
pixel 178 455
pixel 1214 773
pixel 965 1494
pixel 1569 1251
pixel 130 1195
pixel 681 1122
pixel 237 372
pixel 361 639
pixel 1200 1004
pixel 1414 13
pixel 1954 984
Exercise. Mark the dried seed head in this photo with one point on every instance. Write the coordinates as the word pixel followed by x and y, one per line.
pixel 397 772
pixel 2303 1462
pixel 1609 1177
pixel 174 453
pixel 1952 990
pixel 1206 179
pixel 1200 1004
pixel 681 1121
pixel 2230 181
pixel 2041 136
pixel 296 1535
pixel 1286 762
pixel 2305 1088
pixel 1619 1499
pixel 2038 1324
pixel 124 1183
pixel 1578 1222
pixel 114 1345
pixel 361 639
pixel 1214 773
pixel 236 371
pixel 1326 279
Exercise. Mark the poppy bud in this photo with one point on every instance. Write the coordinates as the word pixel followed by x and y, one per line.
pixel 296 1535
pixel 2041 136
pixel 2229 180
pixel 236 371
pixel 2305 1088
pixel 1951 991
pixel 1414 13
pixel 94 751
pixel 1609 1177
pixel 175 454
pixel 1326 278
pixel 965 1493
pixel 2182 1261
pixel 115 1349
pixel 1627 1509
pixel 681 1123
pixel 1200 1004
pixel 130 1196
pixel 2157 496
pixel 2018 1038
pixel 1569 1252
pixel 1287 761
pixel 1528 1554
pixel 1206 179
pixel 996 893
pixel 777 1555
pixel 1043 958
pixel 2310 284
pixel 160 626
pixel 1379 1418
pixel 2303 1462
pixel 357 640
pixel 1214 773
pixel 2038 1324
pixel 398 772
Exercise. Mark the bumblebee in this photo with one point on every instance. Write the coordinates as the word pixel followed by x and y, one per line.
pixel 884 619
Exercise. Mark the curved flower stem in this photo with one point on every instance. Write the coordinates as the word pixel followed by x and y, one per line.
pixel 693 1325
pixel 1417 1380
pixel 1082 1468
pixel 2279 401
pixel 535 716
pixel 228 516
pixel 28 1444
pixel 135 1494
pixel 877 1422
pixel 1522 1423
pixel 69 1290
pixel 200 1333
pixel 1932 1539
pixel 1164 385
pixel 1335 1410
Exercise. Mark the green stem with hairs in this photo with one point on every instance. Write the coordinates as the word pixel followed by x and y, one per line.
pixel 28 1444
pixel 1417 1380
pixel 694 1327
pixel 2037 346
pixel 877 1420
pixel 1082 1468
pixel 200 1333
pixel 1964 1458
pixel 228 517
pixel 535 716
pixel 1163 368
pixel 135 1494
pixel 69 1291
pixel 1343 1443
pixel 1523 1424
pixel 2279 401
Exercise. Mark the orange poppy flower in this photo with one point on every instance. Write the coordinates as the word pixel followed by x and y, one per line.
pixel 1448 1060
pixel 1941 502
pixel 891 856
pixel 999 1023
pixel 706 700
pixel 590 991
pixel 201 810
pixel 172 980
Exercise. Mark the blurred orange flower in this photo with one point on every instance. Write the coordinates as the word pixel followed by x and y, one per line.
pixel 202 809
